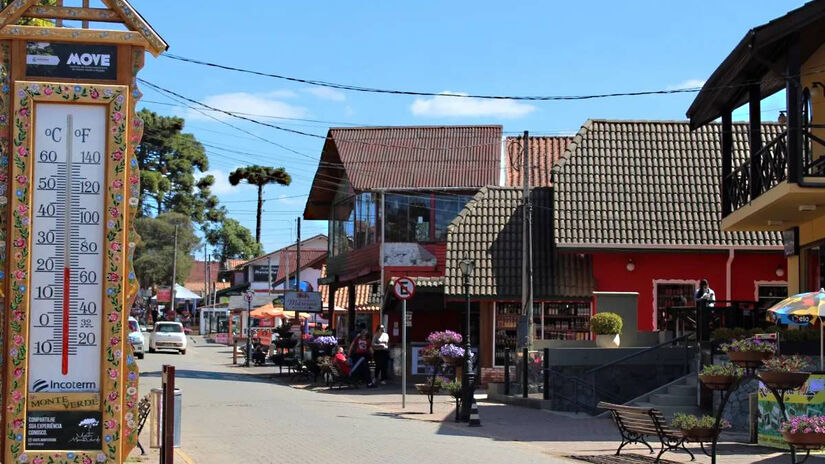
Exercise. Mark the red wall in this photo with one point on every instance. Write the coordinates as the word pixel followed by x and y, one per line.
pixel 611 274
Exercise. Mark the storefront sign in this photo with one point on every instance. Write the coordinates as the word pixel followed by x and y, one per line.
pixel 70 60
pixel 164 294
pixel 63 430
pixel 305 302
pixel 262 273
pixel 790 240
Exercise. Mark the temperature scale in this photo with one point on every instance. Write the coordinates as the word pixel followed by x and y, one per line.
pixel 66 259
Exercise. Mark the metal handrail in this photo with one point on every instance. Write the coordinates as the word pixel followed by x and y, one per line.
pixel 640 353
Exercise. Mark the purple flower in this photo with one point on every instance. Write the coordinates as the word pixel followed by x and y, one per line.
pixel 447 337
pixel 452 351
pixel 326 340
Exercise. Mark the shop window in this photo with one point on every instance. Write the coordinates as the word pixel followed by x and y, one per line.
pixel 506 330
pixel 566 320
pixel 770 294
pixel 670 294
pixel 421 217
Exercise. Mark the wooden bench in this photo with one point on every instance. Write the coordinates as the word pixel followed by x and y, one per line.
pixel 636 423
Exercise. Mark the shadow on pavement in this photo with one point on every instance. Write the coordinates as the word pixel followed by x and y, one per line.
pixel 210 375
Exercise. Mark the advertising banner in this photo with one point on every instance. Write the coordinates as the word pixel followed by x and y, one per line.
pixel 808 399
pixel 71 60
pixel 305 302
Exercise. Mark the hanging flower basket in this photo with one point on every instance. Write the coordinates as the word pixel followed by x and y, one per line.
pixel 748 358
pixel 783 380
pixel 717 382
pixel 451 361
pixel 805 440
pixel 700 434
pixel 804 431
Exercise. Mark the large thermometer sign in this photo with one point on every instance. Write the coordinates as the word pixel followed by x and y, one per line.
pixel 66 250
pixel 71 375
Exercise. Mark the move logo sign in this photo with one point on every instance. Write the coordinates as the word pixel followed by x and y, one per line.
pixel 89 59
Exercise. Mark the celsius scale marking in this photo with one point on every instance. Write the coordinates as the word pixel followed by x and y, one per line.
pixel 67 256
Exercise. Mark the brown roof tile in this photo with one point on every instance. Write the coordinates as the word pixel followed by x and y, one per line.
pixel 544 152
pixel 647 183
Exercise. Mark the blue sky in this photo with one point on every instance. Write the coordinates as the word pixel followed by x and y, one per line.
pixel 527 48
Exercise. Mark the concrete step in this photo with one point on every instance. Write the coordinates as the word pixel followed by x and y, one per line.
pixel 692 380
pixel 669 411
pixel 667 399
pixel 682 390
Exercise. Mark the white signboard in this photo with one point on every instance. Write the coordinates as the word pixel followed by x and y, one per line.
pixel 66 248
pixel 305 302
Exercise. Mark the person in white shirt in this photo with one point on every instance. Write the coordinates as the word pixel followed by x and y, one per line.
pixel 381 354
pixel 705 293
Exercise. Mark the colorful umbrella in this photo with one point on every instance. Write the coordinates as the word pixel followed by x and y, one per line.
pixel 802 309
pixel 267 311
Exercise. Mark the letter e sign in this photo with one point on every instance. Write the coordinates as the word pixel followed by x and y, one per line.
pixel 404 288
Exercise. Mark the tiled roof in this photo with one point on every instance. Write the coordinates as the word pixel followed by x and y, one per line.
pixel 544 152
pixel 308 258
pixel 235 263
pixel 363 292
pixel 196 272
pixel 489 231
pixel 432 157
pixel 648 183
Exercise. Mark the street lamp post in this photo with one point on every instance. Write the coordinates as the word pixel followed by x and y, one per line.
pixel 467 266
pixel 248 296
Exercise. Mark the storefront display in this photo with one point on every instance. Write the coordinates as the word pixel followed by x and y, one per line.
pixel 553 320
pixel 506 329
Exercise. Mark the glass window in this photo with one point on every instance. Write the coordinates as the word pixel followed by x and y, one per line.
pixel 506 330
pixel 395 210
pixel 769 295
pixel 447 208
pixel 421 217
pixel 342 226
pixel 669 295
pixel 567 320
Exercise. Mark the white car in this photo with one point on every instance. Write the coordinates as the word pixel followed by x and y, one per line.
pixel 136 337
pixel 168 336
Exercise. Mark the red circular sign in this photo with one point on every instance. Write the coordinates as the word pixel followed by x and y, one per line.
pixel 404 288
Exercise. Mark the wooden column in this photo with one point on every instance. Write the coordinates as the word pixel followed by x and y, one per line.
pixel 351 311
pixel 755 107
pixel 793 94
pixel 727 160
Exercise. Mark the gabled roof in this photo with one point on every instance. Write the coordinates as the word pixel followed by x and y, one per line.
pixel 489 231
pixel 118 11
pixel 639 184
pixel 761 56
pixel 363 293
pixel 426 158
pixel 544 152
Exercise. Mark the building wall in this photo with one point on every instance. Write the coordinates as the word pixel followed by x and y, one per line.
pixel 811 73
pixel 610 271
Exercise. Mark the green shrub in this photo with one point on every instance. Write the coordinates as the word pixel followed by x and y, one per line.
pixel 726 369
pixel 606 324
pixel 689 422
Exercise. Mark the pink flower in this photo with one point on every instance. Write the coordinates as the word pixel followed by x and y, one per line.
pixel 17 423
pixel 19 275
pixel 86 458
pixel 21 179
pixel 113 277
pixel 22 209
pixel 117 183
pixel 111 423
pixel 17 396
pixel 47 91
pixel 94 94
pixel 18 340
pixel 117 155
pixel 23 151
pixel 18 372
pixel 38 460
pixel 18 315
pixel 24 112
pixel 114 212
pixel 134 180
pixel 114 341
pixel 115 246
pixel 112 373
pixel 19 242
pixel 3 178
pixel 113 317
pixel 118 116
pixel 113 396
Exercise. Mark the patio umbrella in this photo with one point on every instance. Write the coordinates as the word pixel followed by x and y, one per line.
pixel 803 309
pixel 267 311
pixel 291 315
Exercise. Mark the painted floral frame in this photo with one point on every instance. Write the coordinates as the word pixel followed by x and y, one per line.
pixel 116 284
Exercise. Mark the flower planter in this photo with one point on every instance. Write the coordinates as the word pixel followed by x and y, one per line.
pixel 805 440
pixel 748 358
pixel 452 361
pixel 608 341
pixel 783 380
pixel 717 382
pixel 427 389
pixel 700 434
pixel 431 360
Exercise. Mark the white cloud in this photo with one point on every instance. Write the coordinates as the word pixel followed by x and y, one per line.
pixel 442 105
pixel 259 104
pixel 221 185
pixel 688 84
pixel 326 93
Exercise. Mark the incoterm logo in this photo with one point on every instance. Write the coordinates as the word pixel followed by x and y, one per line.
pixel 41 385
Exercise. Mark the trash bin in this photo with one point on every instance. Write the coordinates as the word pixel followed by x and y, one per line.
pixel 156 421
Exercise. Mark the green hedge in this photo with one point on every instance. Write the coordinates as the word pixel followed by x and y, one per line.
pixel 606 324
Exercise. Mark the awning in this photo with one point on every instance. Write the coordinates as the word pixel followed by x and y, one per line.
pixel 182 293
pixel 267 311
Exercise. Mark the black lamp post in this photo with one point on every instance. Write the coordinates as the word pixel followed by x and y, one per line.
pixel 248 296
pixel 467 266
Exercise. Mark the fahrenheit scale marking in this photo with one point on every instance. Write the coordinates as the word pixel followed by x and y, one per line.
pixel 67 257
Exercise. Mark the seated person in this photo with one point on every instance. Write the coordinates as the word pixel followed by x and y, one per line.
pixel 340 362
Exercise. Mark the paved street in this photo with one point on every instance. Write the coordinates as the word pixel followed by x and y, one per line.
pixel 234 417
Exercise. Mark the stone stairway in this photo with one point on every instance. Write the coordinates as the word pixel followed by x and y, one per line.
pixel 677 396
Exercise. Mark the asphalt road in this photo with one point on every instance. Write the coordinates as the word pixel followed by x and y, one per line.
pixel 229 416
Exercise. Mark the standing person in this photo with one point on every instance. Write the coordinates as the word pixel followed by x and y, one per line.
pixel 360 352
pixel 381 353
pixel 705 293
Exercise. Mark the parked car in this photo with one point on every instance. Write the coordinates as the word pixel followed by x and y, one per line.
pixel 136 337
pixel 168 336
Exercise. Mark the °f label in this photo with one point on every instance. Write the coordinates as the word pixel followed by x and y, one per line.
pixel 66 248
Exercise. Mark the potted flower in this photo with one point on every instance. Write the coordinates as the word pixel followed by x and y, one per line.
pixel 784 372
pixel 749 352
pixel 324 343
pixel 719 376
pixel 430 355
pixel 804 431
pixel 447 337
pixel 698 429
pixel 607 327
pixel 452 355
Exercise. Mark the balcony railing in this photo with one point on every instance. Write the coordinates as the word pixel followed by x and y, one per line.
pixel 773 168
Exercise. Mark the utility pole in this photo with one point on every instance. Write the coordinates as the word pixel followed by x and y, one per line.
pixel 206 273
pixel 174 271
pixel 269 274
pixel 527 324
pixel 298 284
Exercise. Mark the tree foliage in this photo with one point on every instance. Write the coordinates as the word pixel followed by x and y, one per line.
pixel 155 251
pixel 169 162
pixel 233 241
pixel 33 21
pixel 259 176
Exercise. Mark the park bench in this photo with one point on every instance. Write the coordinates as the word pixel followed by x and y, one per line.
pixel 636 423
pixel 143 413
